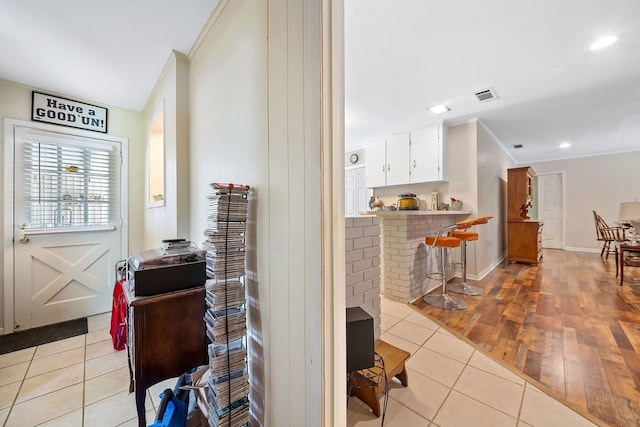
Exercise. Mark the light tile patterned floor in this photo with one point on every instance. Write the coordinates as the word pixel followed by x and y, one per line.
pixel 79 381
pixel 452 384
pixel 82 381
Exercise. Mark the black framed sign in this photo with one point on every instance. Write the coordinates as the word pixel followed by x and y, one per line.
pixel 66 112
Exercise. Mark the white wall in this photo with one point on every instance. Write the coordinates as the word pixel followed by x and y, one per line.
pixel 171 220
pixel 462 166
pixel 15 103
pixel 463 185
pixel 477 176
pixel 493 162
pixel 253 105
pixel 229 144
pixel 597 183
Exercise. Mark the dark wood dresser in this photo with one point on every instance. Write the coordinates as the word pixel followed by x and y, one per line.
pixel 165 338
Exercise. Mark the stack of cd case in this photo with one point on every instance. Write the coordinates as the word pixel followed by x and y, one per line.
pixel 225 263
pixel 217 299
pixel 225 318
pixel 226 325
pixel 234 415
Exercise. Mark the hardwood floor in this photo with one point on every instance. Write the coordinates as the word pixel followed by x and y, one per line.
pixel 566 324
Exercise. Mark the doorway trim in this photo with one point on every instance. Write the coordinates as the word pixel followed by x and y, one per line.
pixel 563 188
pixel 8 227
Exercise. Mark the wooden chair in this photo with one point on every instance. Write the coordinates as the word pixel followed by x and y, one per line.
pixel 607 234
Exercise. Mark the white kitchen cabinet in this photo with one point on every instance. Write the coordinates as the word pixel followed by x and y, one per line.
pixel 429 154
pixel 408 158
pixel 376 163
pixel 387 161
pixel 398 159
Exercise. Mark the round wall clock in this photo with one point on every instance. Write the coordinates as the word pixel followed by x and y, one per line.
pixel 353 158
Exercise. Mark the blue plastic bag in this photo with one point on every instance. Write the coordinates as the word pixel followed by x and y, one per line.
pixel 172 411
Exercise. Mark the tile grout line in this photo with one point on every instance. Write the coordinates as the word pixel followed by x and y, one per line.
pixel 15 399
pixel 524 390
pixel 84 377
pixel 435 415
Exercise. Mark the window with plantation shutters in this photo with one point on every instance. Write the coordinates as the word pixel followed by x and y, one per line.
pixel 69 185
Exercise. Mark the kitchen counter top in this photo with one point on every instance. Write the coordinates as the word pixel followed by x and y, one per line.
pixel 410 212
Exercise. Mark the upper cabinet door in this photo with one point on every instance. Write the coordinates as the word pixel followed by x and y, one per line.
pixel 398 159
pixel 425 154
pixel 376 163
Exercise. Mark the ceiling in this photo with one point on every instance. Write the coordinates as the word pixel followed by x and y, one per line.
pixel 401 57
pixel 406 55
pixel 110 52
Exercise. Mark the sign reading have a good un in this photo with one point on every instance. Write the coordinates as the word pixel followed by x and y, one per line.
pixel 65 112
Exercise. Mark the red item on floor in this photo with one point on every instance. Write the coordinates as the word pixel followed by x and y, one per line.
pixel 118 328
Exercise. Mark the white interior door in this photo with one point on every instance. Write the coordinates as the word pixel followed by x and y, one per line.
pixel 550 209
pixel 67 227
pixel 350 192
pixel 355 191
pixel 362 194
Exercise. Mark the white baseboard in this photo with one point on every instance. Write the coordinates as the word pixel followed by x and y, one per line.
pixel 575 249
pixel 489 269
pixel 483 273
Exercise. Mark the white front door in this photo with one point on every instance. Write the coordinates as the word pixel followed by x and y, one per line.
pixel 550 209
pixel 67 228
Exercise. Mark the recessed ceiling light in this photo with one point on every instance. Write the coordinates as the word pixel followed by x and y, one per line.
pixel 564 145
pixel 438 109
pixel 603 42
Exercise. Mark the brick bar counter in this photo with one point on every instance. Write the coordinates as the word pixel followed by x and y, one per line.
pixel 404 254
pixel 362 253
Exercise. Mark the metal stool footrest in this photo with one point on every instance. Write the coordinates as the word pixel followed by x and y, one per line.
pixel 444 244
pixel 434 276
pixel 446 302
pixel 465 289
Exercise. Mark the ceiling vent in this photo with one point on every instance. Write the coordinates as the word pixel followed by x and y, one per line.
pixel 517 146
pixel 486 95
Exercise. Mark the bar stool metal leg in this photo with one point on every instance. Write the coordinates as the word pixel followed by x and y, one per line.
pixel 445 300
pixel 463 287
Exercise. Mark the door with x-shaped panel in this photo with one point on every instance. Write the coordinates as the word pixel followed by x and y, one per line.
pixel 67 232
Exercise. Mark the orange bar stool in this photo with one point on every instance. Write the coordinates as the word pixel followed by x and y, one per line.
pixel 466 236
pixel 443 242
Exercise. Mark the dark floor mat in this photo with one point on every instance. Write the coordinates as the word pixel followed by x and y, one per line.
pixel 42 335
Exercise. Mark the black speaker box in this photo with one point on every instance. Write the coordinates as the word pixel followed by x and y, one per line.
pixel 360 345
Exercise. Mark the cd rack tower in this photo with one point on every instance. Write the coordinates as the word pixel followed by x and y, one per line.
pixel 225 316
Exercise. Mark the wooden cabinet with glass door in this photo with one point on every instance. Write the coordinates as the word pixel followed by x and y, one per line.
pixel 524 235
